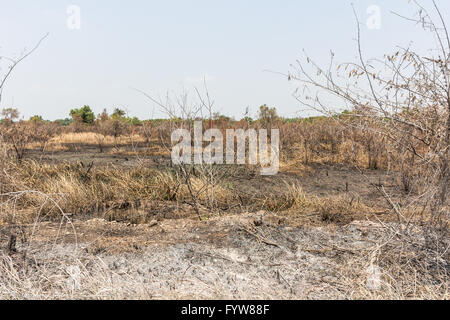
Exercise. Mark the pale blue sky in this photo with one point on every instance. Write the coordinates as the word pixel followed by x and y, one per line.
pixel 167 45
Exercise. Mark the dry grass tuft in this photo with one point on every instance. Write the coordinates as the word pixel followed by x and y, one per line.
pixel 331 209
pixel 93 138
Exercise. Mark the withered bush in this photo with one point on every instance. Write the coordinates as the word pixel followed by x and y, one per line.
pixel 401 104
pixel 18 136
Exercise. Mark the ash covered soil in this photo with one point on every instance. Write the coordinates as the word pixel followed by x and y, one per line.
pixel 246 256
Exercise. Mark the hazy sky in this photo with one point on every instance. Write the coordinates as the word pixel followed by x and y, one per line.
pixel 170 45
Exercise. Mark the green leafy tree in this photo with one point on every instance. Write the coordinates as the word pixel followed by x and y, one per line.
pixel 36 118
pixel 118 113
pixel 84 115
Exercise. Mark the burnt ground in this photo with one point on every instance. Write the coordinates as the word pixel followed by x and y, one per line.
pixel 319 180
pixel 223 258
pixel 259 255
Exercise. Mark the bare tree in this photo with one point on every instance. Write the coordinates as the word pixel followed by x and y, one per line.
pixel 183 110
pixel 13 62
pixel 403 97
